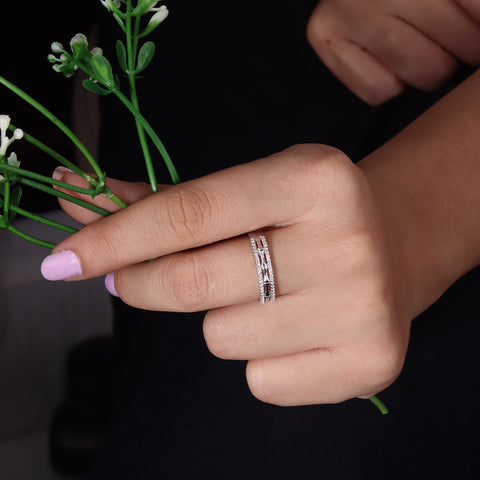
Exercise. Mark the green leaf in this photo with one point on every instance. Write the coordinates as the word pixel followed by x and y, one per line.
pixel 143 6
pixel 145 56
pixel 102 71
pixel 93 87
pixel 122 55
pixel 3 222
pixel 120 22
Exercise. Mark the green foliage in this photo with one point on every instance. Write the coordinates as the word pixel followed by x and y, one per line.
pixel 93 87
pixel 143 6
pixel 145 56
pixel 102 71
pixel 121 55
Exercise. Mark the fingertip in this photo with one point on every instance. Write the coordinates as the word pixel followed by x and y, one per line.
pixel 110 284
pixel 59 173
pixel 61 265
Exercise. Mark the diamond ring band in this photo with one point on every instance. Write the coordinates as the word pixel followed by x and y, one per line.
pixel 264 266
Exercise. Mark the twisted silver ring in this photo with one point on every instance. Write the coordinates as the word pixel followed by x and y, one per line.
pixel 264 266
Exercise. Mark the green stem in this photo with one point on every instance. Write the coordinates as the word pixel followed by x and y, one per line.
pixel 6 200
pixel 29 238
pixel 43 220
pixel 42 178
pixel 65 196
pixel 132 46
pixel 153 136
pixel 106 191
pixel 379 404
pixel 27 98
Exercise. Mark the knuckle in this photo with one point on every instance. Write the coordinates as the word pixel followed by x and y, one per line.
pixel 188 282
pixel 187 210
pixel 381 366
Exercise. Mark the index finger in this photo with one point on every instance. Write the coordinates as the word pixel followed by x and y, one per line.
pixel 202 211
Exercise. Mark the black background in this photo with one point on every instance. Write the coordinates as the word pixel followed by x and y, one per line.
pixel 179 411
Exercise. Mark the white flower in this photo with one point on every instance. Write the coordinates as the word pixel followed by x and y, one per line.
pixel 13 160
pixel 4 123
pixel 160 16
pixel 5 141
pixel 108 3
pixel 57 47
pixel 161 13
pixel 18 134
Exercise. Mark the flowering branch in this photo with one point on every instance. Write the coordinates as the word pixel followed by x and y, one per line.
pixel 133 59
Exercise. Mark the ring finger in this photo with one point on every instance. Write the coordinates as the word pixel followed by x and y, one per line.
pixel 217 275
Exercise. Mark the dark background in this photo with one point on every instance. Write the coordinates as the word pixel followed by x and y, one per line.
pixel 432 430
pixel 28 29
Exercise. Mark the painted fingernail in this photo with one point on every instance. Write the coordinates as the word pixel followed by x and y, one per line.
pixel 110 284
pixel 61 265
pixel 59 173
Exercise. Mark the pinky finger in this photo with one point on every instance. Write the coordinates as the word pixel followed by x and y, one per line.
pixel 358 69
pixel 319 376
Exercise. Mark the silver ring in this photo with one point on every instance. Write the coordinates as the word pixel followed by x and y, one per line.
pixel 264 266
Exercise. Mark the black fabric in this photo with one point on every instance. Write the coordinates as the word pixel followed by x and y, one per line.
pixel 231 83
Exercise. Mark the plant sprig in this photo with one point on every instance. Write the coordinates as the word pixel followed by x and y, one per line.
pixel 133 58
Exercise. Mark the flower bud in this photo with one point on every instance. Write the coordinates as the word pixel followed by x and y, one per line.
pixel 144 6
pixel 4 123
pixel 156 20
pixel 109 3
pixel 159 16
pixel 57 47
pixel 18 134
pixel 13 160
pixel 79 44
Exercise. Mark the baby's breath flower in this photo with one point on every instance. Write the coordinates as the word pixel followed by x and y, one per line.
pixel 5 141
pixel 160 14
pixel 57 47
pixel 4 123
pixel 13 161
pixel 108 4
pixel 68 62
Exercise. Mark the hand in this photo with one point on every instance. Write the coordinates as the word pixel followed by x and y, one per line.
pixel 378 47
pixel 338 329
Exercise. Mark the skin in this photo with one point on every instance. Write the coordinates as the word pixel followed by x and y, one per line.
pixel 358 250
pixel 379 47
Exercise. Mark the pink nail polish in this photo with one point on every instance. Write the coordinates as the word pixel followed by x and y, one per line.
pixel 61 265
pixel 110 284
pixel 59 172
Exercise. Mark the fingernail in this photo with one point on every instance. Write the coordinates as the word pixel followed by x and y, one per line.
pixel 110 284
pixel 61 265
pixel 59 172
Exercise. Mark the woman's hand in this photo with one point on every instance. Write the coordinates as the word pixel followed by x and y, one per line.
pixel 378 47
pixel 337 329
